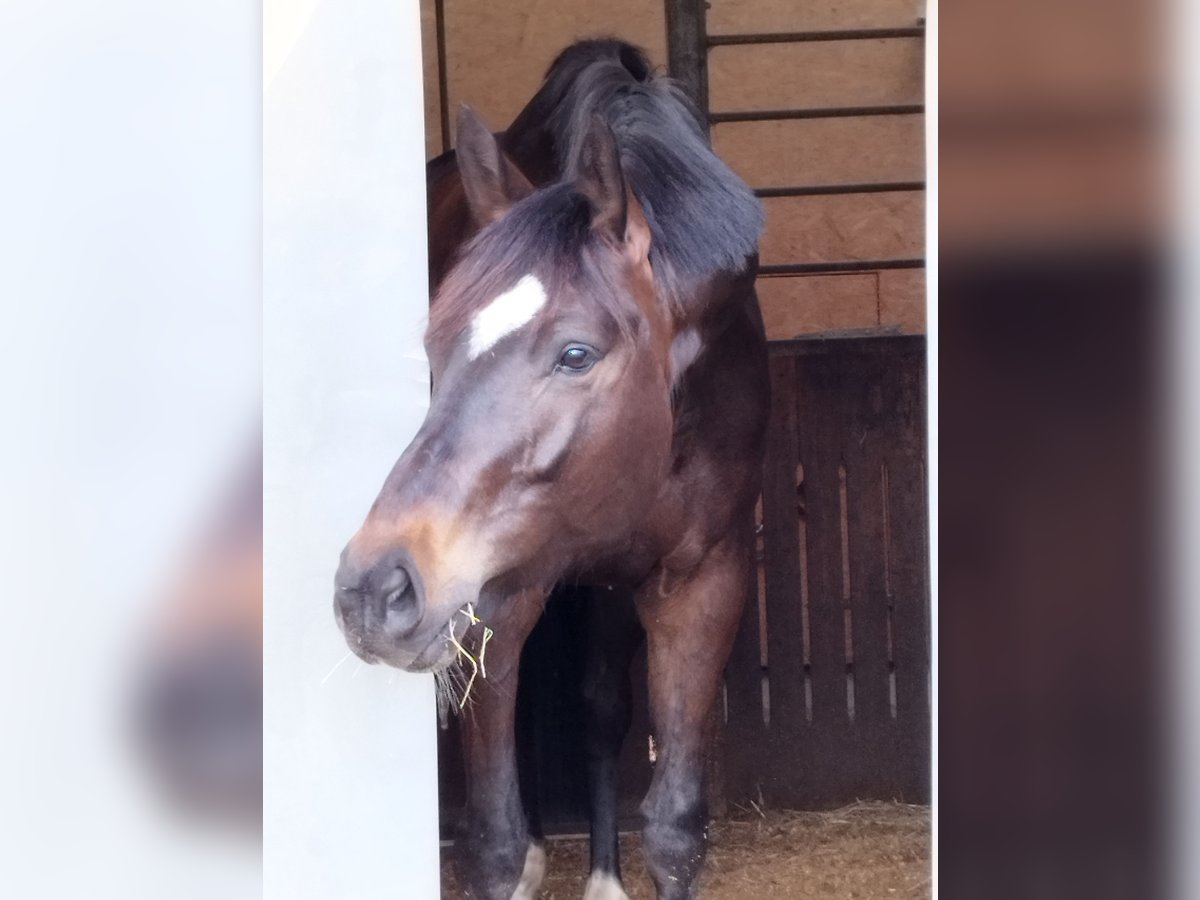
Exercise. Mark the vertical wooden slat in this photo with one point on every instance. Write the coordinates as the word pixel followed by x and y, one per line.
pixel 687 51
pixel 865 449
pixel 909 558
pixel 785 627
pixel 820 418
pixel 442 79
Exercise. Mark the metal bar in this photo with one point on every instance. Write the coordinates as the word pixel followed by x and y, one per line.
pixel 439 21
pixel 687 51
pixel 820 190
pixel 835 112
pixel 854 265
pixel 804 37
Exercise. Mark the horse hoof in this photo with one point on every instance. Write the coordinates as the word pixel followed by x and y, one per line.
pixel 604 886
pixel 531 878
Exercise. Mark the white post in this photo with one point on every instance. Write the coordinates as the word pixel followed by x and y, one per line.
pixel 350 796
pixel 931 345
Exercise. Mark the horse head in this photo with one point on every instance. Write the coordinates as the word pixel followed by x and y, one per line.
pixel 554 357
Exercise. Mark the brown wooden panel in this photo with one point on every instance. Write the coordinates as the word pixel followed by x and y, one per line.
pixel 857 403
pixel 805 304
pixel 781 523
pixel 844 227
pixel 909 573
pixel 820 423
pixel 816 75
pixel 498 52
pixel 865 454
pixel 824 151
pixel 748 16
pixel 902 300
pixel 429 61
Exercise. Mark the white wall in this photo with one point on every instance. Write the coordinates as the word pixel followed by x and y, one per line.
pixel 351 790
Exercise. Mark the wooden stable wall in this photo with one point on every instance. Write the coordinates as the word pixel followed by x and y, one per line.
pixel 494 54
pixel 827 688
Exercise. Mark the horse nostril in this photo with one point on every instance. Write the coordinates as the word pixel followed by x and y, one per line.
pixel 402 605
pixel 401 586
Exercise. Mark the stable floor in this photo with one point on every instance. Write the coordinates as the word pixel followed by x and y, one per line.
pixel 861 852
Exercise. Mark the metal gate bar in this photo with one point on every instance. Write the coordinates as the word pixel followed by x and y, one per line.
pixel 688 46
pixel 805 37
pixel 854 265
pixel 818 190
pixel 829 112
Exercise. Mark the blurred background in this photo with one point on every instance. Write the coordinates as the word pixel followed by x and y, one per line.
pixel 1062 469
pixel 1054 359
pixel 130 370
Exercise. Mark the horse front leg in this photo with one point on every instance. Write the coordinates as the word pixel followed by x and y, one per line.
pixel 496 858
pixel 613 637
pixel 690 623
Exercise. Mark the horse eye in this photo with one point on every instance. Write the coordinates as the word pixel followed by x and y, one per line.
pixel 576 358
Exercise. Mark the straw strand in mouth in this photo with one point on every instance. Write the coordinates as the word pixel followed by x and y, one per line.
pixel 477 665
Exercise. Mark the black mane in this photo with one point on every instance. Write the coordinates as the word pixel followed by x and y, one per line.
pixel 703 218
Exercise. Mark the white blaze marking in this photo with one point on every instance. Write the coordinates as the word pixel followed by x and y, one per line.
pixel 603 886
pixel 504 315
pixel 531 878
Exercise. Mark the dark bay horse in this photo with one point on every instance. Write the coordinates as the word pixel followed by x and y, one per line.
pixel 598 417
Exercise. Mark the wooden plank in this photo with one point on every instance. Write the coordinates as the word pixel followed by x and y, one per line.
pixel 434 143
pixel 845 227
pixel 819 418
pixel 687 52
pixel 824 151
pixel 807 304
pixel 865 453
pixel 743 16
pixel 908 555
pixel 815 75
pixel 498 54
pixel 902 300
pixel 781 522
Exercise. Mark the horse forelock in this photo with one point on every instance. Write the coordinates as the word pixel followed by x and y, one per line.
pixel 546 237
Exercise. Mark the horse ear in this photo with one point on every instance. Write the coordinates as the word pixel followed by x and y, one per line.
pixel 491 180
pixel 599 176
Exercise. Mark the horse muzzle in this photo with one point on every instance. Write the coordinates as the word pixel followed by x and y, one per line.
pixel 381 611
